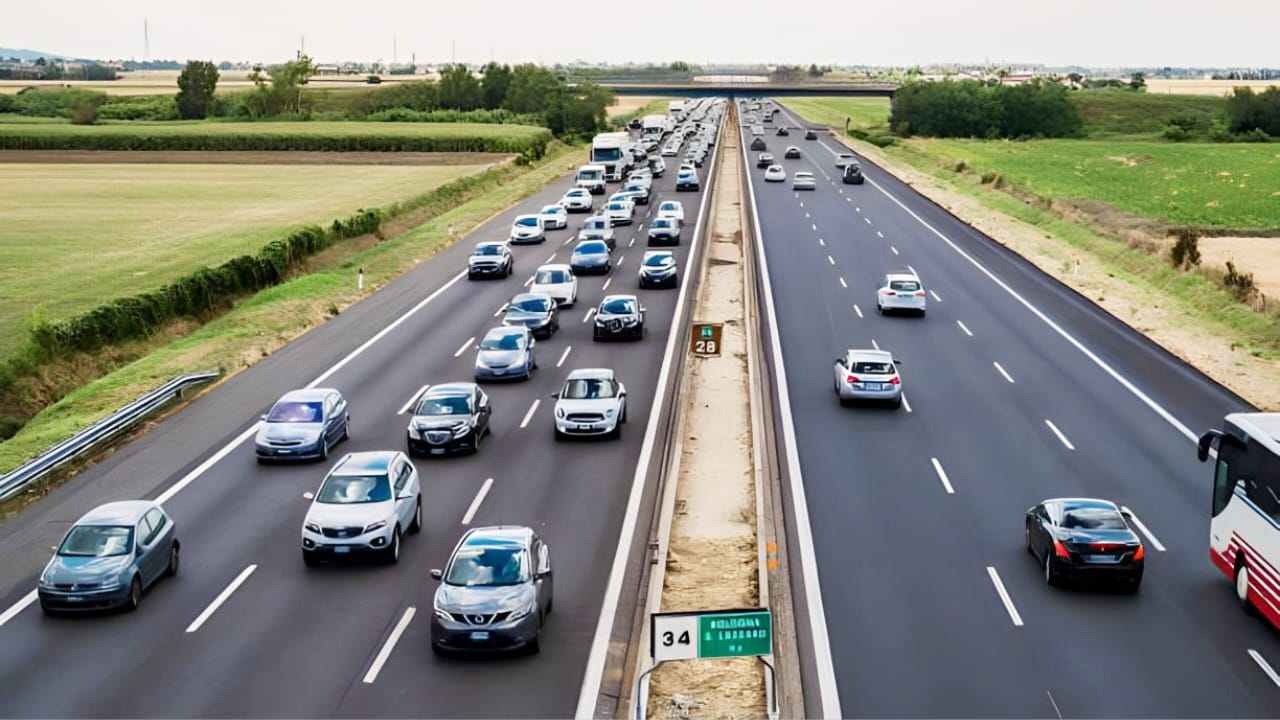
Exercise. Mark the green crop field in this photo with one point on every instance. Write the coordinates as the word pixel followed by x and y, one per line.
pixel 75 236
pixel 1217 185
pixel 1114 113
pixel 865 112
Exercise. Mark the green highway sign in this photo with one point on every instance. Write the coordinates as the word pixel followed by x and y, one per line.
pixel 710 634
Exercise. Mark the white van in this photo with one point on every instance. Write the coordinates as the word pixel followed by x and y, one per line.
pixel 591 178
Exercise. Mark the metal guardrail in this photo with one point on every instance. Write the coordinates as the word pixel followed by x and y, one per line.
pixel 99 432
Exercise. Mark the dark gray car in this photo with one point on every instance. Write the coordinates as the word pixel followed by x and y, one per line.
pixel 303 424
pixel 536 311
pixel 109 557
pixel 495 592
pixel 506 353
pixel 590 257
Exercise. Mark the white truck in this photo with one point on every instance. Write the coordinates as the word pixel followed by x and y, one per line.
pixel 613 151
pixel 653 127
pixel 675 107
pixel 591 179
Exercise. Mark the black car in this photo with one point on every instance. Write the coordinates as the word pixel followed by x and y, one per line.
pixel 447 419
pixel 792 153
pixel 852 174
pixel 535 311
pixel 810 135
pixel 658 270
pixel 619 316
pixel 635 124
pixel 1078 538
pixel 764 160
pixel 758 144
pixel 783 132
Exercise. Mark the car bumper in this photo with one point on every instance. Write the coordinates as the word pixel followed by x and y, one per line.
pixel 577 208
pixel 671 280
pixel 680 187
pixel 664 239
pixel 849 392
pixel 460 637
pixel 420 447
pixel 588 269
pixel 498 374
pixel 774 179
pixel 1080 570
pixel 627 331
pixel 804 187
pixel 615 220
pixel 291 452
pixel 912 304
pixel 603 427
pixel 527 239
pixel 486 270
pixel 853 180
pixel 82 600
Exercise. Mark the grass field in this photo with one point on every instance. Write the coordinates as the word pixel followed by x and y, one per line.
pixel 1120 113
pixel 75 236
pixel 866 112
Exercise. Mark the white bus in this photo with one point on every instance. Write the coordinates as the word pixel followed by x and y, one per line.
pixel 1244 530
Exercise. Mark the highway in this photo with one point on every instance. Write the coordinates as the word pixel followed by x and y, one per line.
pixel 289 641
pixel 1018 389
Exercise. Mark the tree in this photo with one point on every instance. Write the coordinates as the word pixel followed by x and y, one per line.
pixel 680 66
pixel 1075 79
pixel 1138 82
pixel 196 85
pixel 459 89
pixel 494 84
pixel 814 71
pixel 284 94
pixel 531 87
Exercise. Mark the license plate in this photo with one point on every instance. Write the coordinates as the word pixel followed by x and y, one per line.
pixel 74 598
pixel 341 550
pixel 584 427
pixel 284 452
pixel 873 386
pixel 437 451
pixel 480 635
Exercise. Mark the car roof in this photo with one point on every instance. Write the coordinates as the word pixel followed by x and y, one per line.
pixel 592 243
pixel 652 253
pixel 490 243
pixel 901 276
pixel 123 512
pixel 1071 503
pixel 591 374
pixel 360 463
pixel 498 535
pixel 553 266
pixel 577 191
pixel 870 355
pixel 670 202
pixel 553 208
pixel 306 395
pixel 451 388
pixel 504 330
pixel 662 220
pixel 518 297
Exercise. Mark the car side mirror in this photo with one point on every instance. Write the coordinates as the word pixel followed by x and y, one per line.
pixel 897 362
pixel 436 574
pixel 533 342
pixel 263 416
pixel 1124 512
pixel 840 361
pixel 554 395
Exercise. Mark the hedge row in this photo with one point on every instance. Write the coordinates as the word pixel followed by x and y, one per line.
pixel 488 117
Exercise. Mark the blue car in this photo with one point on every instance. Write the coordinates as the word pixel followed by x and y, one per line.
pixel 304 424
pixel 109 557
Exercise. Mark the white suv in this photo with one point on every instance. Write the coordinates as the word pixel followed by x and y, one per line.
pixel 592 402
pixel 366 502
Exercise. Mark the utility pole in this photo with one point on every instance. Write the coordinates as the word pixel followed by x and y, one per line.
pixel 395 50
pixel 146 40
pixel 453 53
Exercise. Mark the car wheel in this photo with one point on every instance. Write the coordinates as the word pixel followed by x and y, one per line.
pixel 897 402
pixel 879 308
pixel 1050 577
pixel 559 435
pixel 1133 585
pixel 324 448
pixel 346 429
pixel 1242 589
pixel 393 550
pixel 172 569
pixel 1026 532
pixel 134 598
pixel 533 648
pixel 415 527
pixel 623 417
pixel 475 442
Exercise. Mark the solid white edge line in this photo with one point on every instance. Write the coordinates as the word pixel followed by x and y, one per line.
pixel 965 328
pixel 464 347
pixel 529 415
pixel 1155 542
pixel 1058 432
pixel 828 690
pixel 594 673
pixel 415 396
pixel 1001 370
pixel 222 598
pixel 389 645
pixel 475 504
pixel 1004 596
pixel 564 355
pixel 1266 667
pixel 942 475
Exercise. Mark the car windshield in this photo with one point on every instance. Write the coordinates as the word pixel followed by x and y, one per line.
pixel 481 566
pixel 502 341
pixel 617 205
pixel 551 277
pixel 97 541
pixel 488 250
pixel 904 285
pixel 587 389
pixel 660 223
pixel 552 210
pixel 591 248
pixel 658 260
pixel 296 412
pixel 669 206
pixel 588 174
pixel 444 405
pixel 1092 517
pixel 532 304
pixel 804 176
pixel 527 222
pixel 618 306
pixel 353 489
pixel 872 367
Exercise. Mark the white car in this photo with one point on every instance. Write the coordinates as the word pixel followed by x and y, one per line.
pixel 592 402
pixel 671 209
pixel 554 217
pixel 620 212
pixel 902 291
pixel 657 166
pixel 598 227
pixel 366 502
pixel 670 149
pixel 577 200
pixel 775 173
pixel 803 181
pixel 868 375
pixel 527 229
pixel 558 281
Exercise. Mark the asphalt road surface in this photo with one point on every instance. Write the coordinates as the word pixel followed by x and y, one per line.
pixel 917 514
pixel 292 641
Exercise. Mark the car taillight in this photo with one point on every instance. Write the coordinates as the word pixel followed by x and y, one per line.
pixel 919 293
pixel 1140 553
pixel 895 380
pixel 1060 550
pixel 852 379
pixel 886 292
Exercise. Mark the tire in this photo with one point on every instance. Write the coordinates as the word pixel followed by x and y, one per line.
pixel 551 602
pixel 533 648
pixel 174 553
pixel 897 403
pixel 324 449
pixel 346 429
pixel 1133 585
pixel 1242 589
pixel 623 418
pixel 1027 532
pixel 1050 577
pixel 416 526
pixel 134 598
pixel 558 434
pixel 475 443
pixel 393 550
pixel 309 559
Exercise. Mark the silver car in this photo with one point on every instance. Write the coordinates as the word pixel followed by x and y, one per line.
pixel 506 353
pixel 366 502
pixel 490 259
pixel 592 402
pixel 664 231
pixel 901 292
pixel 495 592
pixel 803 181
pixel 109 557
pixel 528 229
pixel 598 227
pixel 304 424
pixel 868 375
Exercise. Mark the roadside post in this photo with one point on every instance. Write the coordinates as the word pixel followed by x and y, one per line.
pixel 710 634
pixel 704 339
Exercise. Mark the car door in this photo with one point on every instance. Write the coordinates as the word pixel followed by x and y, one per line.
pixel 403 493
pixel 483 411
pixel 1044 516
pixel 542 575
pixel 162 540
pixel 841 369
pixel 330 419
pixel 149 554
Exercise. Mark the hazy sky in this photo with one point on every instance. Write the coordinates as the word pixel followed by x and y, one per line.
pixel 1085 32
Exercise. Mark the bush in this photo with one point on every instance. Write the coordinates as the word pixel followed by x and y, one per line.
pixel 1185 252
pixel 56 102
pixel 968 108
pixel 1239 284
pixel 1176 133
pixel 7 103
pixel 84 112
pixel 147 107
pixel 1248 111
pixel 498 117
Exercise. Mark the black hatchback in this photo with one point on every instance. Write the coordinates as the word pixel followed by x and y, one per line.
pixel 1080 538
pixel 851 174
pixel 810 135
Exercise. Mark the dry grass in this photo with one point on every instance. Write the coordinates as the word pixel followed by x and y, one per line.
pixel 623 104
pixel 1257 255
pixel 1203 87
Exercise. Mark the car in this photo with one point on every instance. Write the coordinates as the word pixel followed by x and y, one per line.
pixel 577 200
pixel 901 291
pixel 591 402
pixel 852 174
pixel 598 227
pixel 638 155
pixel 554 217
pixel 591 257
pixel 449 418
pixel 687 180
pixel 775 173
pixel 657 166
pixel 642 176
pixel 757 129
pixel 757 144
pixel 618 316
pixel 639 190
pixel 619 212
pixel 633 196
pixel 658 269
pixel 699 158
pixel 664 231
pixel 764 160
pixel 495 592
pixel 527 229
pixel 670 150
pixel 687 165
pixel 1085 538
pixel 558 281
pixel 868 375
pixel 844 159
pixel 810 135
pixel 792 153
pixel 506 353
pixel 635 124
pixel 803 181
pixel 490 259
pixel 303 424
pixel 366 502
pixel 782 132
pixel 672 209
pixel 536 311
pixel 109 557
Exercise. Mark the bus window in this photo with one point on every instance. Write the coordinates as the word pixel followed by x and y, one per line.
pixel 1223 485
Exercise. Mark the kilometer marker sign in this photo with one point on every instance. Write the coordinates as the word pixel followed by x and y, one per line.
pixel 710 634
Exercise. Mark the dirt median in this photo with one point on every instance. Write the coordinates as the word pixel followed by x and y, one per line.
pixel 238 157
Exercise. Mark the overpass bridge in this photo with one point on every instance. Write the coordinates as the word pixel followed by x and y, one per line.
pixel 751 89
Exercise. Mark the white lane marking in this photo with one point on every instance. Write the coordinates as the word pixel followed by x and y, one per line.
pixel 843 284
pixel 587 317
pixel 894 249
pixel 848 200
pixel 913 271
pixel 815 226
pixel 1004 596
pixel 409 403
pixel 470 341
pixel 528 282
pixel 964 328
pixel 942 475
pixel 857 310
pixel 1058 432
pixel 389 645
pixel 620 261
pixel 567 241
pixel 605 286
pixel 867 219
pixel 858 209
pixel 1155 543
pixel 529 415
pixel 822 242
pixel 879 234
pixel 875 344
pixel 1001 370
pixel 475 504
pixel 935 296
pixel 632 243
pixel 906 404
pixel 202 467
pixel 801 202
pixel 1102 364
pixel 222 598
pixel 18 607
pixel 564 355
pixel 1266 667
pixel 831 260
pixel 551 257
pixel 806 215
pixel 1055 704
pixel 499 311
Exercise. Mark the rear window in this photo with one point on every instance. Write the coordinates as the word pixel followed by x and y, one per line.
pixel 1092 517
pixel 551 277
pixel 661 223
pixel 904 285
pixel 872 368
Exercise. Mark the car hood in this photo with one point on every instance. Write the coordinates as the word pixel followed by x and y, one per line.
pixel 606 317
pixel 71 569
pixel 362 514
pixel 499 358
pixel 657 269
pixel 550 288
pixel 589 259
pixel 519 317
pixel 275 432
pixel 438 422
pixel 521 230
pixel 597 405
pixel 500 598
pixel 473 259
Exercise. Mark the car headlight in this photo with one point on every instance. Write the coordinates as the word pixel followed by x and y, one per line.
pixel 609 413
pixel 522 613
pixel 375 526
pixel 461 429
pixel 443 614
pixel 313 527
pixel 44 578
pixel 112 584
pixel 560 413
